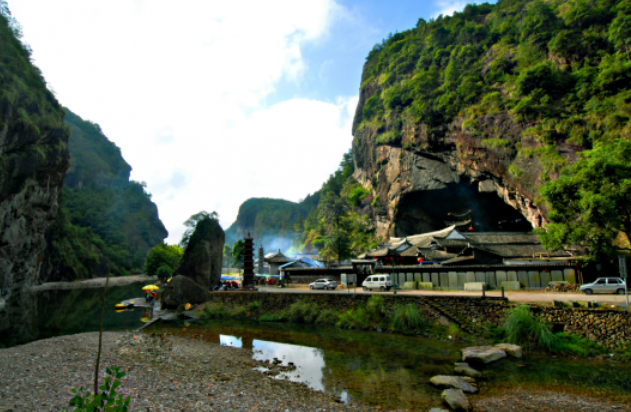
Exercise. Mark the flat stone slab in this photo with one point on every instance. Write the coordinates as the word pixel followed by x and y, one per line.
pixel 456 399
pixel 456 382
pixel 510 349
pixel 482 354
pixel 464 368
pixel 474 286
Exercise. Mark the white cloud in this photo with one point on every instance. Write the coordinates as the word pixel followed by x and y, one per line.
pixel 449 7
pixel 180 87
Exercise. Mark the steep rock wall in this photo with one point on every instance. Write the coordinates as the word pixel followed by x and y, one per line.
pixel 423 163
pixel 33 161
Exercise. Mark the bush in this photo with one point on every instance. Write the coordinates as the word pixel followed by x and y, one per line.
pixel 254 306
pixel 163 255
pixel 215 310
pixel 273 318
pixel 407 318
pixel 108 399
pixel 303 312
pixel 164 271
pixel 521 327
pixel 328 317
pixel 567 344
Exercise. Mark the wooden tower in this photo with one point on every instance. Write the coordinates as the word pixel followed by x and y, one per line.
pixel 248 264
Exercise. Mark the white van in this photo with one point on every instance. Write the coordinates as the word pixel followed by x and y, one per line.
pixel 381 282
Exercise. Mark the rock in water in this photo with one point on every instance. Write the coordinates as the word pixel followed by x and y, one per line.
pixel 202 259
pixel 456 399
pixel 510 349
pixel 464 368
pixel 482 354
pixel 182 290
pixel 457 382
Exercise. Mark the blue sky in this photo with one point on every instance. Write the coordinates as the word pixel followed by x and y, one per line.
pixel 214 102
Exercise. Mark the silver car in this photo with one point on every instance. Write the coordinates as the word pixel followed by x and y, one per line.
pixel 604 285
pixel 325 284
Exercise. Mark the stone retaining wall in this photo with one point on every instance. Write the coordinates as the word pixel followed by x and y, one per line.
pixel 608 327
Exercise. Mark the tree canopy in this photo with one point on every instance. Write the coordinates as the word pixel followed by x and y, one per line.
pixel 590 203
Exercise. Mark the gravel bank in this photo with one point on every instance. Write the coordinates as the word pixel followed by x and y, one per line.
pixel 163 374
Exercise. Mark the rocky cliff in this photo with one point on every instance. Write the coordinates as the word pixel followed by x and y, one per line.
pixel 33 161
pixel 477 111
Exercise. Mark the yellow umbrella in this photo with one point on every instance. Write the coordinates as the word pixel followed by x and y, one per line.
pixel 150 287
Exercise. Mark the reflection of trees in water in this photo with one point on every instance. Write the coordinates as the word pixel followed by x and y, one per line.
pixel 65 312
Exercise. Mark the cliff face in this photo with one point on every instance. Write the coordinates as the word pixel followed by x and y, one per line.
pixel 478 110
pixel 33 161
pixel 397 173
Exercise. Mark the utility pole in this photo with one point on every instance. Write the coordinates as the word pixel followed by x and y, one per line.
pixel 622 262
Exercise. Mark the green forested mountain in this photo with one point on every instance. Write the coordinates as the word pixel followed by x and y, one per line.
pixel 313 225
pixel 104 219
pixel 277 223
pixel 558 67
pixel 513 93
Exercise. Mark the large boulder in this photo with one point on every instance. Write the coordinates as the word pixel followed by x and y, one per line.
pixel 465 384
pixel 202 258
pixel 182 290
pixel 482 354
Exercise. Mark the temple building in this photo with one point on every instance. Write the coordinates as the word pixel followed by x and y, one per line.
pixel 275 260
pixel 450 246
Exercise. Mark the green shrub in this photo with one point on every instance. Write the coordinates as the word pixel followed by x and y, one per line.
pixel 163 255
pixel 254 306
pixel 409 285
pixel 239 311
pixel 376 308
pixel 108 399
pixel 568 344
pixel 328 317
pixel 407 318
pixel 521 327
pixel 303 312
pixel 354 319
pixel 213 309
pixel 425 285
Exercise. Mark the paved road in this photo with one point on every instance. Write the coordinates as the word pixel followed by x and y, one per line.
pixel 523 296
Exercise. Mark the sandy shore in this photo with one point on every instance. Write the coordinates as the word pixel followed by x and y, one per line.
pixel 93 283
pixel 175 374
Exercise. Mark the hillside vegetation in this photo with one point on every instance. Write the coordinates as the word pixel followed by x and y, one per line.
pixel 105 219
pixel 557 72
pixel 562 65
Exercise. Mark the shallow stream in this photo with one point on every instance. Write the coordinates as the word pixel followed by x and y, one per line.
pixel 393 371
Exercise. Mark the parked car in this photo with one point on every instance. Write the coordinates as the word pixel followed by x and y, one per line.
pixel 325 284
pixel 381 282
pixel 604 285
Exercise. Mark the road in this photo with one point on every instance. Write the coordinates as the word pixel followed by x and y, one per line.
pixel 522 296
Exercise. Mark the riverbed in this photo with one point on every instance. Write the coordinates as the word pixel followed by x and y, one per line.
pixel 358 369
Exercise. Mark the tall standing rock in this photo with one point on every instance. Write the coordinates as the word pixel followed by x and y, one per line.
pixel 201 264
pixel 33 161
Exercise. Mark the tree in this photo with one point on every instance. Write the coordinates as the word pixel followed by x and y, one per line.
pixel 192 222
pixel 227 255
pixel 163 255
pixel 237 253
pixel 336 210
pixel 590 203
pixel 620 33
